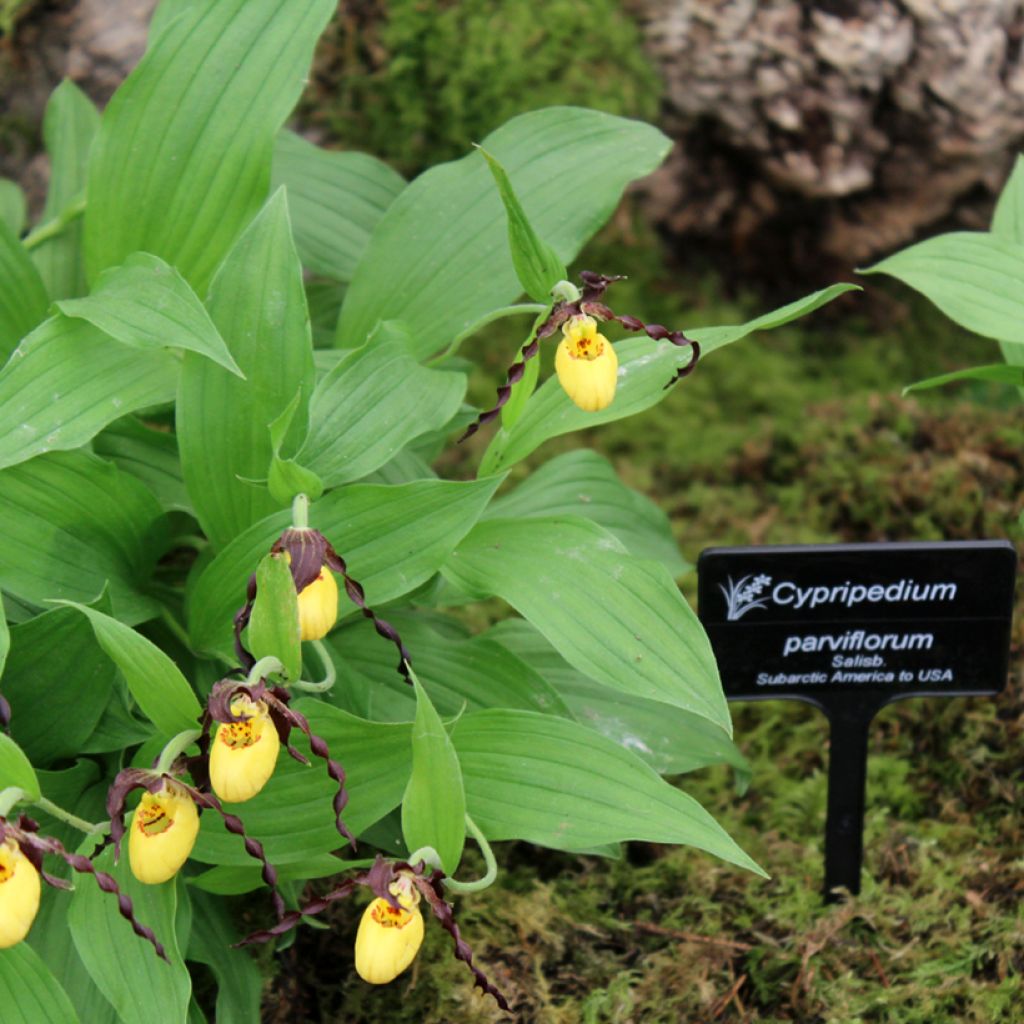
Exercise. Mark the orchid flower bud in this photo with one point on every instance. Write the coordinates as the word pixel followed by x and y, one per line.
pixel 586 364
pixel 244 753
pixel 163 832
pixel 318 606
pixel 19 893
pixel 389 938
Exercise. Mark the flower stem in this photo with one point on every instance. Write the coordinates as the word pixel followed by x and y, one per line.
pixel 54 227
pixel 264 667
pixel 330 673
pixel 175 748
pixel 490 863
pixel 71 819
pixel 300 512
pixel 427 854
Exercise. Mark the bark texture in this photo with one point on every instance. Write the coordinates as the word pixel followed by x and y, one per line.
pixel 838 129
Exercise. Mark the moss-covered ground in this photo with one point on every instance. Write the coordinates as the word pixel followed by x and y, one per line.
pixel 795 436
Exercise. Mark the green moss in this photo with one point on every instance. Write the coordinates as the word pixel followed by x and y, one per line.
pixel 420 80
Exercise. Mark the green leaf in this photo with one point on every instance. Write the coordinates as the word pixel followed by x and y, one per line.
pixel 336 200
pixel 72 524
pixel 553 782
pixel 66 381
pixel 23 299
pixel 973 278
pixel 29 993
pixel 537 265
pixel 999 373
pixel 457 673
pixel 434 805
pixel 274 626
pixel 65 788
pixel 5 636
pixel 13 209
pixel 372 404
pixel 393 539
pixel 293 816
pixel 645 367
pixel 1008 219
pixel 147 304
pixel 258 304
pixel 69 127
pixel 583 483
pixel 617 619
pixel 236 880
pixel 182 159
pixel 670 740
pixel 15 768
pixel 439 258
pixel 55 664
pixel 161 691
pixel 239 983
pixel 150 456
pixel 124 967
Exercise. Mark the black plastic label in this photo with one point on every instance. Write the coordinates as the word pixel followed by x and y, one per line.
pixel 885 620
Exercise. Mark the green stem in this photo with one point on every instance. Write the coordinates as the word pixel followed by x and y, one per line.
pixel 71 819
pixel 9 797
pixel 428 854
pixel 54 227
pixel 300 512
pixel 175 748
pixel 175 627
pixel 330 673
pixel 488 318
pixel 263 668
pixel 489 862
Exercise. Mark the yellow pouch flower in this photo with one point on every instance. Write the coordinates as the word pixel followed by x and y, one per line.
pixel 244 754
pixel 19 893
pixel 163 832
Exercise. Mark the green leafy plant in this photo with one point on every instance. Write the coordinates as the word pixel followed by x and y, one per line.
pixel 222 540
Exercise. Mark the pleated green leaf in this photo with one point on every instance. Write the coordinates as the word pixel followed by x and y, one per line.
pixel 439 259
pixel 74 524
pixel 147 304
pixel 670 740
pixel 149 455
pixel 274 626
pixel 583 483
pixel 66 381
pixel 1008 219
pixel 69 127
pixel 13 208
pixel 160 690
pixel 434 805
pixel 645 367
pixel 56 664
pixel 617 619
pixel 372 404
pixel 124 967
pixel 998 373
pixel 15 768
pixel 182 159
pixel 537 265
pixel 259 307
pixel 555 783
pixel 292 816
pixel 336 201
pixel 23 299
pixel 239 983
pixel 29 993
pixel 457 673
pixel 393 539
pixel 974 278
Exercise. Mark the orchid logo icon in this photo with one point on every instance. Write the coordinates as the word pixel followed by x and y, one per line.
pixel 745 595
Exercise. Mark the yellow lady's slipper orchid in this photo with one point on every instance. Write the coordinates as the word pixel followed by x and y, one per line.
pixel 19 893
pixel 586 364
pixel 318 606
pixel 244 754
pixel 389 939
pixel 163 832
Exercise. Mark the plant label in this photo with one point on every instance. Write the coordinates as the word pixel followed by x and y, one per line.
pixel 851 628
